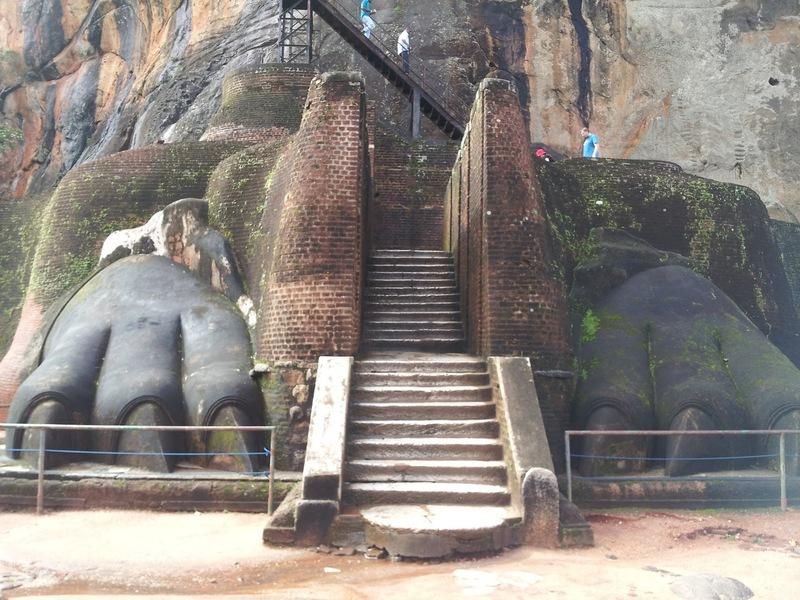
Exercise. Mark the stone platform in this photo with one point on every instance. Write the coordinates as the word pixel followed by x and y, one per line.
pixel 731 489
pixel 94 486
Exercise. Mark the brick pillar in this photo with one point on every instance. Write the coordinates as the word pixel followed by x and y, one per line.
pixel 314 303
pixel 514 298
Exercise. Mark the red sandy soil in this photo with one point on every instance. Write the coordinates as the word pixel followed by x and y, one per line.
pixel 638 554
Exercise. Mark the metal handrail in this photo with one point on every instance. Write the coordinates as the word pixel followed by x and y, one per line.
pixel 617 432
pixel 460 104
pixel 45 427
pixel 427 86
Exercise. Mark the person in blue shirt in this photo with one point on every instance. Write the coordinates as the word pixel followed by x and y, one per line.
pixel 366 18
pixel 591 144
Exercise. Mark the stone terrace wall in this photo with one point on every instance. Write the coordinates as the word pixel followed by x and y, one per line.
pixel 261 103
pixel 410 179
pixel 19 221
pixel 495 224
pixel 242 207
pixel 787 238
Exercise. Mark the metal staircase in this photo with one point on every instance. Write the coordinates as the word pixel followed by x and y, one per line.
pixel 446 113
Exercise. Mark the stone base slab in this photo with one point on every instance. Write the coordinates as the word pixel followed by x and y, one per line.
pixel 715 490
pixel 201 491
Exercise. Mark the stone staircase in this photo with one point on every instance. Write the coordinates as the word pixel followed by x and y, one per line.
pixel 424 459
pixel 423 429
pixel 412 302
pixel 415 447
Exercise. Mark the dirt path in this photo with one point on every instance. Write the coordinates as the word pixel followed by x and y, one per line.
pixel 637 555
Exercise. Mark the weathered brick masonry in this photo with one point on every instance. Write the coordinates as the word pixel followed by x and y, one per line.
pixel 513 298
pixel 410 179
pixel 261 103
pixel 314 283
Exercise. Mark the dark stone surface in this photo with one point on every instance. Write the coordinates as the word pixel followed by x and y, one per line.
pixel 44 35
pixel 313 520
pixel 710 587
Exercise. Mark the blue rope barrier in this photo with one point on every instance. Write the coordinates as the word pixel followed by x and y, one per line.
pixel 118 453
pixel 680 458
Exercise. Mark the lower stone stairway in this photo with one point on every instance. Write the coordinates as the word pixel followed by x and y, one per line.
pixel 424 463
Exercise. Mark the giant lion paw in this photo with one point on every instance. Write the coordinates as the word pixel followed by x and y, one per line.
pixel 145 341
pixel 666 349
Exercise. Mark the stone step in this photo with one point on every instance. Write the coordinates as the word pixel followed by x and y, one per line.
pixel 418 362
pixel 410 393
pixel 408 492
pixel 440 428
pixel 390 265
pixel 400 378
pixel 411 335
pixel 390 304
pixel 416 283
pixel 424 449
pixel 403 291
pixel 415 277
pixel 412 297
pixel 423 410
pixel 440 530
pixel 406 253
pixel 419 258
pixel 415 316
pixel 446 326
pixel 458 471
pixel 411 344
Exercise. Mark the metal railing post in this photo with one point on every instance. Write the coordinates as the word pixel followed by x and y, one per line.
pixel 782 452
pixel 569 465
pixel 40 481
pixel 270 493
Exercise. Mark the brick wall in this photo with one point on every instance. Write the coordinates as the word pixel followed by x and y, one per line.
pixel 261 103
pixel 407 210
pixel 513 297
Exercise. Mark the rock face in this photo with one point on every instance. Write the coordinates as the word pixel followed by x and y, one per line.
pixel 85 79
pixel 705 84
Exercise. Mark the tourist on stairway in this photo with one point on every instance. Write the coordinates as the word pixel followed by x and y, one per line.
pixel 366 18
pixel 404 50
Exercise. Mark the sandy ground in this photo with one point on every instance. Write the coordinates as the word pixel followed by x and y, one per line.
pixel 638 554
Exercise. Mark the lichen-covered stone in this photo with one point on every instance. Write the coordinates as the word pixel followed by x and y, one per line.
pixel 723 229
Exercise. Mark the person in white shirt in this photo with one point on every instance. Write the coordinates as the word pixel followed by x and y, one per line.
pixel 404 50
